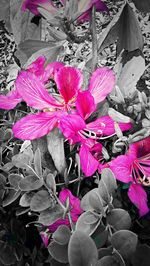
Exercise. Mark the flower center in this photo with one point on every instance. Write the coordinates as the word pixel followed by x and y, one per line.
pixel 141 170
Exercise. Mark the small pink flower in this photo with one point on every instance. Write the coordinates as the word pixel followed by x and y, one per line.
pixel 134 168
pixel 74 206
pixel 33 5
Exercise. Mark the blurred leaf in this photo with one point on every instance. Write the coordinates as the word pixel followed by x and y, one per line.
pixel 21 160
pixel 31 182
pixel 37 162
pixel 25 199
pixel 2 181
pixel 86 202
pixel 50 182
pixel 58 252
pixel 29 47
pixel 22 210
pixel 87 223
pixel 82 250
pixel 62 235
pixel 14 180
pixel 118 117
pixel 129 68
pixel 41 201
pixel 4 11
pixel 55 143
pixel 102 252
pixel 125 242
pixel 107 185
pixel 119 219
pixel 125 29
pixel 54 20
pixel 96 201
pixel 11 197
pixel 58 35
pixel 107 261
pixel 141 256
pixel 49 216
pixel 143 5
pixel 21 25
pixel 8 134
pixel 7 256
pixel 100 236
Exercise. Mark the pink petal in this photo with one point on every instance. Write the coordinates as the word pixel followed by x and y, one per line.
pixel 138 197
pixel 100 6
pixel 53 227
pixel 34 126
pixel 69 81
pixel 141 148
pixel 101 83
pixel 70 126
pixel 74 201
pixel 105 124
pixel 51 70
pixel 10 100
pixel 33 91
pixel 121 167
pixel 85 104
pixel 37 67
pixel 45 238
pixel 88 163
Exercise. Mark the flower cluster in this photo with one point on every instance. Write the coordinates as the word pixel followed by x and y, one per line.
pixel 68 109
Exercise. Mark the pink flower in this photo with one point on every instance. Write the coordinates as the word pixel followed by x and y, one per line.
pixel 33 5
pixel 31 88
pixel 134 168
pixel 74 206
pixel 86 8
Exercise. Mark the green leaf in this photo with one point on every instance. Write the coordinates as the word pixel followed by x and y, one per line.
pixel 8 134
pixel 125 242
pixel 49 216
pixel 143 5
pixel 62 235
pixel 125 30
pixel 31 182
pixel 37 162
pixel 50 182
pixel 102 252
pixel 82 250
pixel 14 180
pixel 50 17
pixel 7 256
pixel 2 181
pixel 119 219
pixel 29 47
pixel 118 117
pixel 88 222
pixel 107 261
pixel 55 143
pixel 21 160
pixel 100 236
pixel 11 197
pixel 25 199
pixel 129 68
pixel 92 200
pixel 58 252
pixel 107 185
pixel 41 201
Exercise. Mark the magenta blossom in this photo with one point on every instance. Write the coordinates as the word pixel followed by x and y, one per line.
pixel 134 168
pixel 74 209
pixel 33 5
pixel 76 130
pixel 84 7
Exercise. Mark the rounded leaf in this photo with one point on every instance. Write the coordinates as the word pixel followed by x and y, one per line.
pixel 14 180
pixel 82 250
pixel 49 216
pixel 41 201
pixel 87 223
pixel 58 252
pixel 62 235
pixel 119 219
pixel 125 242
pixel 107 261
pixel 30 182
pixel 25 199
pixel 11 197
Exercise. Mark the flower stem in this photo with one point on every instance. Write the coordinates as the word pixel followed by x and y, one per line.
pixel 94 41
